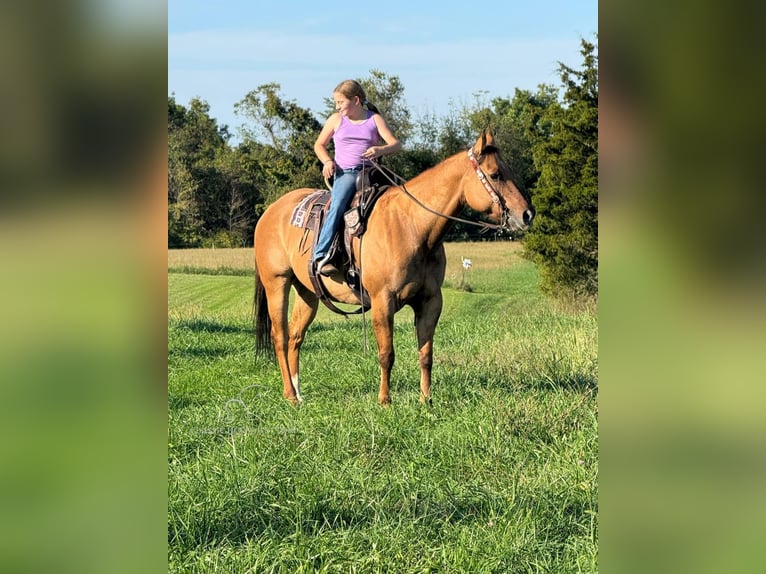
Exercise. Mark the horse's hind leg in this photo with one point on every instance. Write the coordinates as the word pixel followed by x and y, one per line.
pixel 278 298
pixel 304 311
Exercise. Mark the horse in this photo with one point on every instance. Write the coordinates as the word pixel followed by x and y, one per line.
pixel 403 261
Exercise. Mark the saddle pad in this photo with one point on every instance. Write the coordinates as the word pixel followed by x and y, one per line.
pixel 300 215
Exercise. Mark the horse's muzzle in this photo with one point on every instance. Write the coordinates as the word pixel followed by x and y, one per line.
pixel 512 223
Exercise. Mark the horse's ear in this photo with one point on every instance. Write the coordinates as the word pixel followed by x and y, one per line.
pixel 486 139
pixel 480 143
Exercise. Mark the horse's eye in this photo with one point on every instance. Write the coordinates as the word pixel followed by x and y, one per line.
pixel 496 176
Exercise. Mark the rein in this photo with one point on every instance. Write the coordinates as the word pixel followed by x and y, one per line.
pixel 482 178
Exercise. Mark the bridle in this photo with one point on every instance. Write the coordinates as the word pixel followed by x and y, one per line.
pixel 506 216
pixel 496 198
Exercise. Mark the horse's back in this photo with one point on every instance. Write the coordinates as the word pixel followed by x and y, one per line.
pixel 287 202
pixel 278 214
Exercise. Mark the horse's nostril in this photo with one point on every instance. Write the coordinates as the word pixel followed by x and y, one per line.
pixel 527 216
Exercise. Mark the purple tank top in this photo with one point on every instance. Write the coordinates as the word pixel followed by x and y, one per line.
pixel 352 140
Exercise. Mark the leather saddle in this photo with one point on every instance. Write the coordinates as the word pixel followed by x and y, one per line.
pixel 310 215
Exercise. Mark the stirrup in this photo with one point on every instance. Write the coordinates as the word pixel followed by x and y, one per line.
pixel 328 269
pixel 319 263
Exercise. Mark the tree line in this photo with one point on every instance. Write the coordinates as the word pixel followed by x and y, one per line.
pixel 217 191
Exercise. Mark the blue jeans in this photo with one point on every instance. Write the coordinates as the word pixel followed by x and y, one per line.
pixel 343 189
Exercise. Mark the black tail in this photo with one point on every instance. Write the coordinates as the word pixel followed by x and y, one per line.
pixel 261 320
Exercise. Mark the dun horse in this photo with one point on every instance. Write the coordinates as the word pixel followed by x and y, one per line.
pixel 402 261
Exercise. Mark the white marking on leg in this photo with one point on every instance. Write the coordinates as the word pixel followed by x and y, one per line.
pixel 297 386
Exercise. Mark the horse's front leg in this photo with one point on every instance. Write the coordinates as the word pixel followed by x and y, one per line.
pixel 426 317
pixel 383 325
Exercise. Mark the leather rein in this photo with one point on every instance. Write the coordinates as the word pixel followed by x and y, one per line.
pixel 493 194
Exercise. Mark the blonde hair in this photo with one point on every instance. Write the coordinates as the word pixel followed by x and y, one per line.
pixel 353 89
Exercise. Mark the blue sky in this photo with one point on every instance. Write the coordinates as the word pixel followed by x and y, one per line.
pixel 443 52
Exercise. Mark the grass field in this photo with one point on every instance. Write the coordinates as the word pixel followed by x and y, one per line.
pixel 498 475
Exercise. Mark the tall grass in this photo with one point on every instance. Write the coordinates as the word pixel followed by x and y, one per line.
pixel 498 475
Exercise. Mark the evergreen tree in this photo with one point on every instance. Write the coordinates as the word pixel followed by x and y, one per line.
pixel 563 240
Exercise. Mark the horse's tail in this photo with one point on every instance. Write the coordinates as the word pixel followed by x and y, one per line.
pixel 261 319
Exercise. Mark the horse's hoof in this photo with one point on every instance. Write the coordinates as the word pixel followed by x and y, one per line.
pixel 294 401
pixel 384 401
pixel 425 400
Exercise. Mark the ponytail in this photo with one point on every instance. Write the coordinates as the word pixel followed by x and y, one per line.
pixel 371 107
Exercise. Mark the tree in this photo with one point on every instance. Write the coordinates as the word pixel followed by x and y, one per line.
pixel 241 197
pixel 563 240
pixel 519 125
pixel 455 134
pixel 184 223
pixel 196 187
pixel 283 123
pixel 281 140
pixel 387 93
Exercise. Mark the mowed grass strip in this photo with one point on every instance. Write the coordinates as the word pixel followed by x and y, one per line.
pixel 498 475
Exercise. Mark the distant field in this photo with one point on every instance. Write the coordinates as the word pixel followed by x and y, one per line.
pixel 483 256
pixel 499 475
pixel 211 258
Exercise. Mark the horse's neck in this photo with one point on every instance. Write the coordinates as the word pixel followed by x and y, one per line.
pixel 440 190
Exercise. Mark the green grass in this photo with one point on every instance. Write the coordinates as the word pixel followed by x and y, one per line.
pixel 498 475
